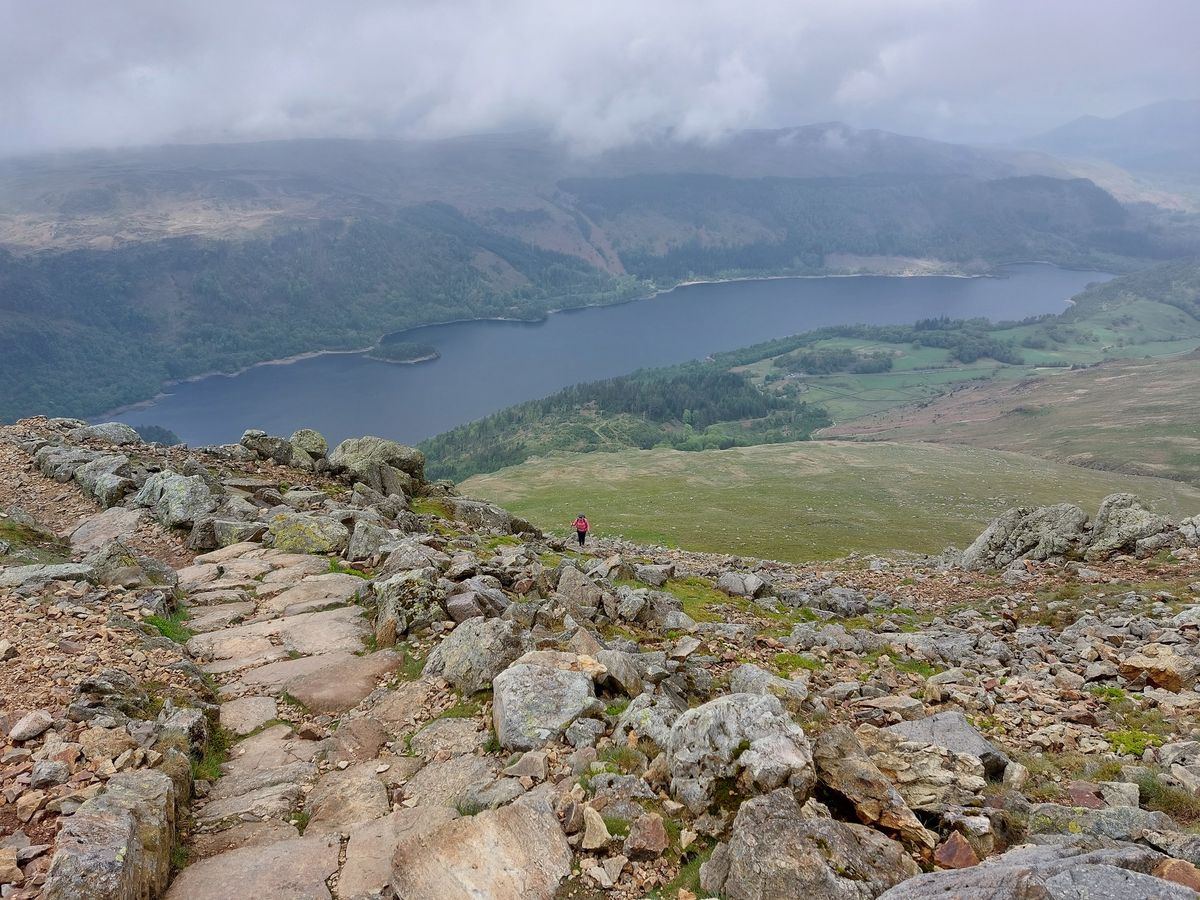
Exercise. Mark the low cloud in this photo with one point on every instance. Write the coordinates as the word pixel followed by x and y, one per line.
pixel 597 75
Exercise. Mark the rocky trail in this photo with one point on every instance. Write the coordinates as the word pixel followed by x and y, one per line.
pixel 272 670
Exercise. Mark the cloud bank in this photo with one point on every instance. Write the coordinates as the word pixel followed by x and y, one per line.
pixel 77 73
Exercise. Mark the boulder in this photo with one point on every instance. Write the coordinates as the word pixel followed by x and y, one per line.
pixel 176 500
pixel 407 601
pixel 1160 666
pixel 302 533
pixel 479 514
pixel 24 576
pixel 580 590
pixel 517 852
pixel 476 652
pixel 743 736
pixel 311 442
pixel 383 465
pixel 845 770
pixel 534 702
pixel 31 725
pixel 928 777
pixel 654 575
pixel 117 844
pixel 741 584
pixel 774 850
pixel 750 679
pixel 268 446
pixel 1120 523
pixel 1048 873
pixel 107 433
pixel 369 541
pixel 105 478
pixel 117 564
pixel 952 731
pixel 651 716
pixel 111 525
pixel 1117 823
pixel 1028 533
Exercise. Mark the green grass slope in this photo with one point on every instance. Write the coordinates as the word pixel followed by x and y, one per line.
pixel 805 501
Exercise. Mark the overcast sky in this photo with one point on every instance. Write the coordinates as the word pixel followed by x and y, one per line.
pixel 598 73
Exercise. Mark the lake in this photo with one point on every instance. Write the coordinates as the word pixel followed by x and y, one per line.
pixel 487 365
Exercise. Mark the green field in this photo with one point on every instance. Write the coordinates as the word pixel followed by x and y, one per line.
pixel 805 501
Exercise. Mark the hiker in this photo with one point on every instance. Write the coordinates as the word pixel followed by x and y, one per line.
pixel 581 528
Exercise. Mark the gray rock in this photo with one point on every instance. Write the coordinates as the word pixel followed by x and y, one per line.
pixel 176 500
pixel 298 868
pixel 117 564
pixel 1120 523
pixel 775 851
pixel 407 601
pixel 1189 531
pixel 117 844
pixel 621 671
pixel 48 772
pixel 303 533
pixel 476 652
pixel 526 857
pixel 228 532
pixel 1049 873
pixel 1028 533
pixel 745 736
pixel 650 715
pixel 383 465
pixel 31 725
pixel 112 524
pixel 268 446
pixel 479 514
pixel 1118 823
pixel 741 584
pixel 108 433
pixel 311 442
pixel 654 575
pixel 952 731
pixel 24 576
pixel 371 540
pixel 105 478
pixel 533 703
pixel 750 679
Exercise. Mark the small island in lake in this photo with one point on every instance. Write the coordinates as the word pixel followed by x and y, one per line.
pixel 404 352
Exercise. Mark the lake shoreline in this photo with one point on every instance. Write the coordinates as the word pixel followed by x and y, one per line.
pixel 166 390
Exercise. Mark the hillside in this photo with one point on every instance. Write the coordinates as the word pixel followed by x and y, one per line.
pixel 784 390
pixel 297 667
pixel 804 501
pixel 175 262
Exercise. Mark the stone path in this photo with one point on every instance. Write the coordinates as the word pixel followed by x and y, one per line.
pixel 328 773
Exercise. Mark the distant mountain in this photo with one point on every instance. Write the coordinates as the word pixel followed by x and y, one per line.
pixel 1161 138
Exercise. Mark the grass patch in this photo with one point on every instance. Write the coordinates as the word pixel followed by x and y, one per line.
pixel 1109 694
pixel 502 540
pixel 627 760
pixel 688 878
pixel 290 700
pixel 337 567
pixel 1132 740
pixel 429 506
pixel 617 826
pixel 1181 805
pixel 697 595
pixel 300 820
pixel 216 752
pixel 172 626
pixel 617 707
pixel 466 708
pixel 787 663
pixel 916 667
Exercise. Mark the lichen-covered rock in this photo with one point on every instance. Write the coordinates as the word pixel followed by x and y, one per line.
pixel 383 465
pixel 534 701
pixel 406 601
pixel 117 845
pixel 743 736
pixel 303 533
pixel 480 514
pixel 369 541
pixel 105 478
pixel 176 500
pixel 1028 533
pixel 1118 823
pixel 117 564
pixel 952 731
pixel 517 852
pixel 774 850
pixel 23 576
pixel 1120 523
pixel 651 716
pixel 268 446
pixel 311 442
pixel 476 652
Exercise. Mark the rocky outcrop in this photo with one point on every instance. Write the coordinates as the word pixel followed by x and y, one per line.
pixel 774 850
pixel 1028 533
pixel 383 465
pixel 739 736
pixel 1121 523
pixel 534 702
